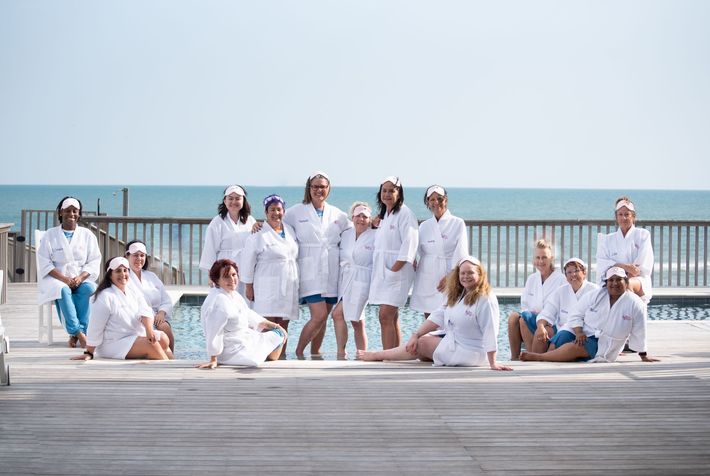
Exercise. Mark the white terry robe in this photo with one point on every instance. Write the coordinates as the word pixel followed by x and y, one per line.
pixel 471 332
pixel 355 272
pixel 626 319
pixel 536 292
pixel 225 239
pixel 634 248
pixel 71 259
pixel 154 292
pixel 232 330
pixel 317 247
pixel 442 244
pixel 116 321
pixel 561 302
pixel 269 262
pixel 396 239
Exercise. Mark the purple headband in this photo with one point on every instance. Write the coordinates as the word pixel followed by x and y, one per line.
pixel 273 198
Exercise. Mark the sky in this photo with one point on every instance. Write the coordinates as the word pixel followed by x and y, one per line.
pixel 542 94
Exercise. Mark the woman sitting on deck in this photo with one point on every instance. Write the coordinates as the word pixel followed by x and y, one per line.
pixel 152 288
pixel 463 332
pixel 602 321
pixel 121 325
pixel 538 287
pixel 236 335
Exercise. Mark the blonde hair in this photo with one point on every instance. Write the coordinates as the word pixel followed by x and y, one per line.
pixel 543 244
pixel 355 205
pixel 455 290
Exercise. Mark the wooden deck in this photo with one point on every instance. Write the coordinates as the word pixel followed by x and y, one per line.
pixel 330 417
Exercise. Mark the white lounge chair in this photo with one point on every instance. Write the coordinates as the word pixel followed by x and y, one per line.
pixel 45 325
pixel 4 347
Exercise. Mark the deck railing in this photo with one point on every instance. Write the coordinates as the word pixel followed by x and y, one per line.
pixel 505 246
pixel 4 260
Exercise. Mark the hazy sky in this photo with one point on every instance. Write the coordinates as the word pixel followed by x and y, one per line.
pixel 593 94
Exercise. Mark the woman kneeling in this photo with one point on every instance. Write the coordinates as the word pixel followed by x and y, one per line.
pixel 463 332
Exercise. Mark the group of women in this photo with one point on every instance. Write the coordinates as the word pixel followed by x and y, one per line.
pixel 335 263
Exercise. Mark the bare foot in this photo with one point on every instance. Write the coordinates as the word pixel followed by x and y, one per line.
pixel 82 339
pixel 342 356
pixel 72 341
pixel 367 356
pixel 528 356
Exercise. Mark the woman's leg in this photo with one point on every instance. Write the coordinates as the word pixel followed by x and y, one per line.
pixel 526 335
pixel 319 314
pixel 144 349
pixel 398 353
pixel 514 337
pixel 635 286
pixel 320 335
pixel 165 327
pixel 565 353
pixel 276 353
pixel 389 326
pixel 81 296
pixel 341 329
pixel 426 347
pixel 360 334
pixel 165 345
pixel 65 306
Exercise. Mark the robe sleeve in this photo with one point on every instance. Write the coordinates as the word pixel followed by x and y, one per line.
pixel 214 318
pixel 92 265
pixel 551 310
pixel 409 234
pixel 461 249
pixel 212 242
pixel 44 256
pixel 637 340
pixel 248 258
pixel 254 318
pixel 100 308
pixel 437 317
pixel 604 261
pixel 644 260
pixel 487 319
pixel 525 304
pixel 576 315
pixel 166 304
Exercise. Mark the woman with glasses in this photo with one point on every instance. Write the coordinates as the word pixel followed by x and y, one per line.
pixel 442 243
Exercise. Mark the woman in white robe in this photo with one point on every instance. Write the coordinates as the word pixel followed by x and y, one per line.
pixel 552 329
pixel 357 245
pixel 235 334
pixel 121 325
pixel 152 288
pixel 463 331
pixel 603 321
pixel 396 244
pixel 629 248
pixel 69 260
pixel 269 266
pixel 442 243
pixel 318 226
pixel 538 288
pixel 227 233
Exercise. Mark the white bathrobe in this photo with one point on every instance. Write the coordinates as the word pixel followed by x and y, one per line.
pixel 634 248
pixel 562 302
pixel 626 319
pixel 71 259
pixel 355 272
pixel 317 247
pixel 232 331
pixel 442 244
pixel 396 239
pixel 154 292
pixel 536 292
pixel 116 321
pixel 471 332
pixel 269 262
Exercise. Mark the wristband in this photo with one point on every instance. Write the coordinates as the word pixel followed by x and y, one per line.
pixel 642 354
pixel 90 354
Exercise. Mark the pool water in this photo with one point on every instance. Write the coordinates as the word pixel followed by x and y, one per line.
pixel 190 340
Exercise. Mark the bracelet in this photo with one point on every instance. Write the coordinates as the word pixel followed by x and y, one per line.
pixel 90 354
pixel 642 354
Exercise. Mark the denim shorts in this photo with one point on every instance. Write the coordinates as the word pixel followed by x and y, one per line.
pixel 315 298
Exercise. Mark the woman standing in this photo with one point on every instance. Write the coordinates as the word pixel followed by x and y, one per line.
pixel 356 247
pixel 396 243
pixel 269 266
pixel 463 332
pixel 121 324
pixel 442 243
pixel 628 248
pixel 228 231
pixel 152 288
pixel 236 335
pixel 318 226
pixel 68 259
pixel 538 287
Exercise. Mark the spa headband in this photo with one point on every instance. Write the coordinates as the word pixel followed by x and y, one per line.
pixel 393 179
pixel 615 271
pixel 470 259
pixel 273 199
pixel 319 173
pixel 137 247
pixel 364 209
pixel 435 189
pixel 118 261
pixel 70 202
pixel 235 189
pixel 627 204
pixel 575 260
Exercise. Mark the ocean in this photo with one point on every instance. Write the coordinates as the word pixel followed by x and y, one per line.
pixel 467 203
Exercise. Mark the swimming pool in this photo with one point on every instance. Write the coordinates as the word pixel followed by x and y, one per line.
pixel 190 341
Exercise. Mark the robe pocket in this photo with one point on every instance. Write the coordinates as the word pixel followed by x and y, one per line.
pixel 393 278
pixel 307 268
pixel 58 256
pixel 266 288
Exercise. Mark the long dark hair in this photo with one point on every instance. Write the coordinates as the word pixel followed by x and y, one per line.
pixel 397 205
pixel 106 281
pixel 59 207
pixel 244 213
pixel 128 245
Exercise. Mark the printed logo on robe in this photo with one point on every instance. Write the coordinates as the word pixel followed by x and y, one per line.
pixel 444 237
pixel 592 309
pixel 431 241
pixel 392 227
pixel 563 311
pixel 369 248
pixel 626 317
pixel 468 312
pixel 304 220
pixel 636 246
pixel 614 253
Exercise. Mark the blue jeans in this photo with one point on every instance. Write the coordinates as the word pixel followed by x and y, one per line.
pixel 73 306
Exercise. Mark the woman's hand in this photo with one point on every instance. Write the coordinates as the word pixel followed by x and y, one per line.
pixel 257 227
pixel 249 291
pixel 397 266
pixel 581 340
pixel 83 357
pixel 442 285
pixel 375 223
pixel 497 366
pixel 150 336
pixel 159 318
pixel 541 334
pixel 211 365
pixel 412 344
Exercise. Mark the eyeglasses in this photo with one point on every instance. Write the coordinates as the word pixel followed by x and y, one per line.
pixel 319 187
pixel 572 272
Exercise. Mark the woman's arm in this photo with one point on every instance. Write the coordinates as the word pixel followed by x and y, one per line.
pixel 493 364
pixel 426 327
pixel 212 364
pixel 87 355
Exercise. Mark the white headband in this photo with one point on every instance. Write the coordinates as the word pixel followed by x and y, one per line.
pixel 234 189
pixel 470 259
pixel 435 189
pixel 627 204
pixel 321 173
pixel 137 247
pixel 575 260
pixel 393 179
pixel 364 209
pixel 70 202
pixel 118 261
pixel 615 271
